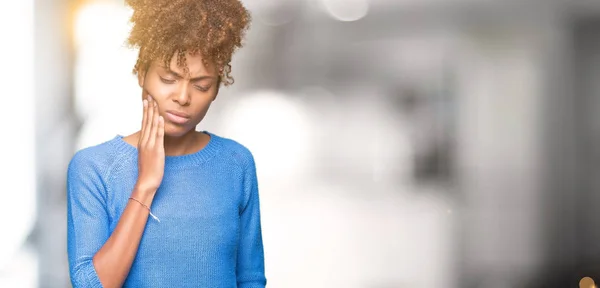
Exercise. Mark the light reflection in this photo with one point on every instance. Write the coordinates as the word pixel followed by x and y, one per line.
pixel 275 128
pixel 347 10
pixel 17 174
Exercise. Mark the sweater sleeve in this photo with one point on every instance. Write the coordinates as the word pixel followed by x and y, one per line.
pixel 250 269
pixel 87 219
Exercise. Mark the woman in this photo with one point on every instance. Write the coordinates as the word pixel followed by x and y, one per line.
pixel 199 189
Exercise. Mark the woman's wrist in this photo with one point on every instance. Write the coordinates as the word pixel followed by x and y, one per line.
pixel 144 194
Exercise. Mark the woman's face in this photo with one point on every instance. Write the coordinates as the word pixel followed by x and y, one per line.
pixel 183 100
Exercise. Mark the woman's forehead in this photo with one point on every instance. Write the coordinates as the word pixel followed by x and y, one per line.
pixel 195 65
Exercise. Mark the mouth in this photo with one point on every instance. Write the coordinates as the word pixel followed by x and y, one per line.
pixel 177 117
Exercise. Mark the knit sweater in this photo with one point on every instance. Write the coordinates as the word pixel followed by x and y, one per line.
pixel 209 233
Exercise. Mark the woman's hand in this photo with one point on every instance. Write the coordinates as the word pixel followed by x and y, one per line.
pixel 113 261
pixel 151 150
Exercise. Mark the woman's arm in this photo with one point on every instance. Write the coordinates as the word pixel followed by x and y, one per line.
pixel 96 259
pixel 113 261
pixel 250 269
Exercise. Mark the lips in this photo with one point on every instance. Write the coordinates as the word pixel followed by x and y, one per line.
pixel 177 117
pixel 180 114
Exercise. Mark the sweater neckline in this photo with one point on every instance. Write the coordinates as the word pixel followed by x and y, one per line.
pixel 198 157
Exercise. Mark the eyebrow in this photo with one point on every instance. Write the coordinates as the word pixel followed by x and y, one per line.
pixel 175 74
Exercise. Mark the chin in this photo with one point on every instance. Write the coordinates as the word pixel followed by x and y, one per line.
pixel 175 131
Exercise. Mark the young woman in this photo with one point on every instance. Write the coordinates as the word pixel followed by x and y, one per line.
pixel 199 189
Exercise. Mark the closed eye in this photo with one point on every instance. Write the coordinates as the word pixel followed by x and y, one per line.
pixel 167 81
pixel 203 89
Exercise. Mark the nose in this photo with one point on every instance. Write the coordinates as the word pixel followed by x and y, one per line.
pixel 182 97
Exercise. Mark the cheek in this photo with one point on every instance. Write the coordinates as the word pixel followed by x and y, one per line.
pixel 159 91
pixel 200 111
pixel 203 104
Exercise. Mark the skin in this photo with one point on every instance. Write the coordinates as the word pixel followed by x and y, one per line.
pixel 163 89
pixel 191 94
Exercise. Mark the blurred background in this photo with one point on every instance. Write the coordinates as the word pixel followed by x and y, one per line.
pixel 399 143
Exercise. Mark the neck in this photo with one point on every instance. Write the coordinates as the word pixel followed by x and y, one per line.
pixel 185 144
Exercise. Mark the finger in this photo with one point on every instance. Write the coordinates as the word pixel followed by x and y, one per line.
pixel 147 136
pixel 144 120
pixel 160 138
pixel 154 129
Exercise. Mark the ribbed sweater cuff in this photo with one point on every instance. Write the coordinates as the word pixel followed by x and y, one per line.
pixel 91 276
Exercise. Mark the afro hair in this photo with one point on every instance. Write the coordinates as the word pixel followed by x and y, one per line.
pixel 164 28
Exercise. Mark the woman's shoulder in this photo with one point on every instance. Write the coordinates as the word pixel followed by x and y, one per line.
pixel 98 158
pixel 235 150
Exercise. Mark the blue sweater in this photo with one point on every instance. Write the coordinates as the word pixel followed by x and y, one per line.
pixel 209 234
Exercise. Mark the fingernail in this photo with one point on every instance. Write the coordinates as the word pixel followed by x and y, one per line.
pixel 145 102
